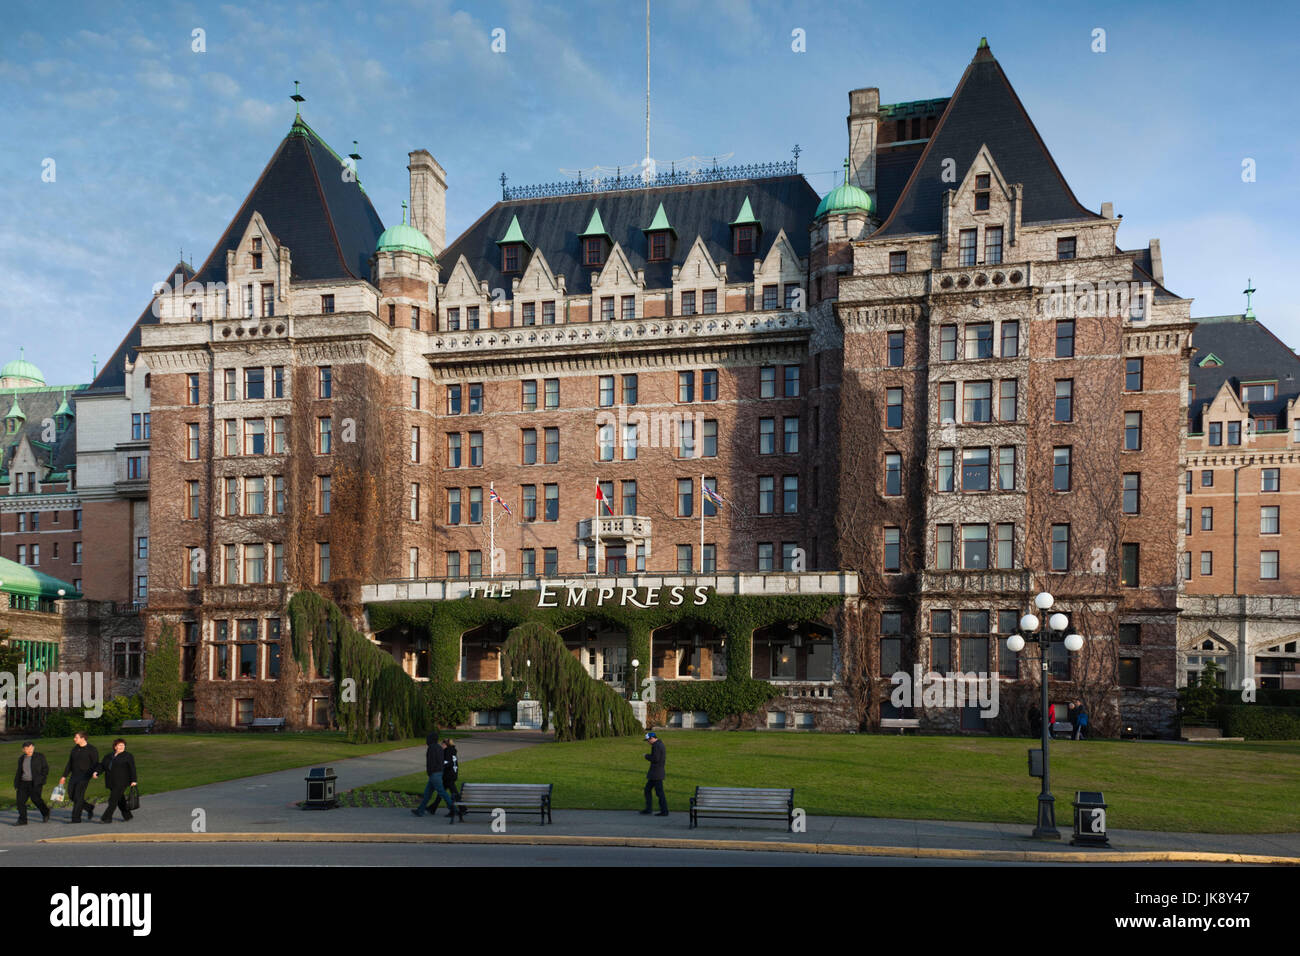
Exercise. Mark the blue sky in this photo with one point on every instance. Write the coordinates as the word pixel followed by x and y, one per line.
pixel 156 145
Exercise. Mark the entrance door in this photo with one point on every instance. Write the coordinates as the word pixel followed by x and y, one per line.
pixel 613 664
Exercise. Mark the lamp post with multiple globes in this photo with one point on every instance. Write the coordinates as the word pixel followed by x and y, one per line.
pixel 1033 632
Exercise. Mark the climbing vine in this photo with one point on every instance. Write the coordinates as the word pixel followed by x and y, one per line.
pixel 383 702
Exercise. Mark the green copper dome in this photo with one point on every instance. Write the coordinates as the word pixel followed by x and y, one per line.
pixel 404 238
pixel 21 368
pixel 843 199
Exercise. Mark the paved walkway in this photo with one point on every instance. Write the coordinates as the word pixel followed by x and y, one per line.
pixel 263 808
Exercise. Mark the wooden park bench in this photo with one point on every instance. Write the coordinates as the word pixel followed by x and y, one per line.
pixel 900 723
pixel 486 797
pixel 745 802
pixel 144 726
pixel 267 723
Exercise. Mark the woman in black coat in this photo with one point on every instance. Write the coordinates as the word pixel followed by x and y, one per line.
pixel 118 769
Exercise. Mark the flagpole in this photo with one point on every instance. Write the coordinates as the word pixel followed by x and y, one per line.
pixel 595 526
pixel 492 530
pixel 701 524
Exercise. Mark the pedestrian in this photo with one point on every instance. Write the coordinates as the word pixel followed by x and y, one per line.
pixel 29 780
pixel 82 763
pixel 450 771
pixel 118 769
pixel 433 766
pixel 654 777
pixel 1035 721
pixel 1051 720
pixel 1071 715
pixel 1080 721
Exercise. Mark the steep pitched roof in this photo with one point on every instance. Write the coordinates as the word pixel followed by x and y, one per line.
pixel 112 374
pixel 38 406
pixel 553 226
pixel 984 109
pixel 1249 352
pixel 327 222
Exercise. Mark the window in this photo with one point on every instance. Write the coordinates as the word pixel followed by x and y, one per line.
pixel 1065 338
pixel 898 262
pixel 766 494
pixel 947 402
pixel 947 343
pixel 1060 547
pixel 977 401
pixel 510 257
pixel 975 546
pixel 529 311
pixel 979 340
pixel 893 408
pixel 453 399
pixel 232 497
pixel 552 502
pixel 688 303
pixel 685 497
pixel 1260 392
pixel 1187 565
pixel 453 320
pixel 551 562
pixel 629 497
pixel 895 349
pixel 135 426
pixel 629 389
pixel 232 437
pixel 767 436
pixel 944 470
pixel 192 441
pixel 475 399
pixel 254 495
pixel 1216 433
pixel 1007 400
pixel 1004 556
pixel 766 556
pixel 476 449
pixel 966 247
pixel 1234 433
pixel 792 381
pixel 453 564
pixel 607 308
pixel 684 558
pixel 767 382
pixel 324 436
pixel 629 442
pixel 453 450
pixel 709 301
pixel 1065 248
pixel 1207 479
pixel 1187 521
pixel 592 251
pixel 892 556
pixel 415 501
pixel 471 317
pixel 1130 672
pixel 548 313
pixel 1133 375
pixel 894 474
pixel 1268 565
pixel 658 246
pixel 528 438
pixel 791 436
pixel 1128 565
pixel 228 384
pixel 277 382
pixel 1270 479
pixel 476 564
pixel 1207 519
pixel 1010 339
pixel 606 391
pixel 1064 409
pixel 191 499
pixel 1132 431
pixel 141 548
pixel 605 442
pixel 943 547
pixel 415 444
pixel 1132 493
pixel 1061 469
pixel 528 396
pixel 992 242
pixel 1207 562
pixel 552 393
pixel 769 297
pixel 744 240
pixel 476 505
pixel 192 388
pixel 975 469
pixel 685 386
pixel 709 438
pixel 709 385
pixel 327 308
pixel 254 436
pixel 552 449
pixel 528 503
pixel 1268 519
pixel 323 494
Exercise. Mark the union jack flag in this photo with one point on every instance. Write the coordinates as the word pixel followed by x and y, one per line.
pixel 711 494
pixel 493 496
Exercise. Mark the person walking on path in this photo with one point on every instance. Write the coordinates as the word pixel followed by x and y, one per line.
pixel 118 769
pixel 29 780
pixel 1080 720
pixel 1051 721
pixel 81 766
pixel 654 777
pixel 450 771
pixel 433 766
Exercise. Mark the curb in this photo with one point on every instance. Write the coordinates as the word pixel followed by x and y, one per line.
pixel 839 849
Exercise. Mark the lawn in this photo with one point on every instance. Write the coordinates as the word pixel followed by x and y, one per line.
pixel 1208 788
pixel 176 761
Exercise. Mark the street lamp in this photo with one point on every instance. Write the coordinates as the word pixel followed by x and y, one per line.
pixel 1031 632
pixel 636 688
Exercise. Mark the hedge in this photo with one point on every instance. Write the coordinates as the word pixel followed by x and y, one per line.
pixel 1260 722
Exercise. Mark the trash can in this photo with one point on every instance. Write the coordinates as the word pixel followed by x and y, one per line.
pixel 1089 819
pixel 320 789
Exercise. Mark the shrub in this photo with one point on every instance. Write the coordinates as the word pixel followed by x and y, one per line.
pixel 162 689
pixel 719 699
pixel 65 723
pixel 1259 722
pixel 115 711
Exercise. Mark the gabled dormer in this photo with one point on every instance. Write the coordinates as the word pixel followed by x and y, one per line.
pixel 259 270
pixel 14 418
pixel 778 278
pixel 63 415
pixel 661 237
pixel 515 249
pixel 745 230
pixel 981 217
pixel 595 242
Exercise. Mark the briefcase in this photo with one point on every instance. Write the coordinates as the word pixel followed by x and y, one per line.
pixel 133 798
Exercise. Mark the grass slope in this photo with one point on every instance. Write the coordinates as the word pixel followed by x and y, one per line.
pixel 1207 788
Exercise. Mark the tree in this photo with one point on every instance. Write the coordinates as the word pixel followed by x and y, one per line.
pixel 162 689
pixel 1199 700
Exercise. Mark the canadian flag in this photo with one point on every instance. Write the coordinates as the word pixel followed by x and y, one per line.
pixel 602 499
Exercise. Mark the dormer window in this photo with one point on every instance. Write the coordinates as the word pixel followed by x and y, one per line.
pixel 744 231
pixel 1259 392
pixel 981 192
pixel 257 252
pixel 510 258
pixel 593 251
pixel 657 234
pixel 257 261
pixel 744 241
pixel 658 246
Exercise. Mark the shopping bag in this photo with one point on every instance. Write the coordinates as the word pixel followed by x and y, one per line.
pixel 133 798
pixel 58 794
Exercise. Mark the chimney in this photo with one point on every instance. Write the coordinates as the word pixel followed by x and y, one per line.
pixel 864 113
pixel 1157 264
pixel 429 198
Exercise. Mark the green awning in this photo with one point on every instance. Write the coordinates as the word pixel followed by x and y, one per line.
pixel 19 579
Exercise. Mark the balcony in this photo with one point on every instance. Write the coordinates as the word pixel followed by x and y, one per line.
pixel 617 527
pixel 977 582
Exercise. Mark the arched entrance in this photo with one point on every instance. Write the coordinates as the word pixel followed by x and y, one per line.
pixel 688 650
pixel 794 651
pixel 601 648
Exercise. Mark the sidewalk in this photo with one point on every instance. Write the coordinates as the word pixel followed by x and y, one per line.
pixel 263 809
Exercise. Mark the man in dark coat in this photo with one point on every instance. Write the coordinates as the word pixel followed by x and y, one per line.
pixel 450 771
pixel 118 769
pixel 433 765
pixel 28 782
pixel 82 763
pixel 654 777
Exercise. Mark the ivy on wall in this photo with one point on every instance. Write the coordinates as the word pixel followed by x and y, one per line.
pixel 735 616
pixel 383 703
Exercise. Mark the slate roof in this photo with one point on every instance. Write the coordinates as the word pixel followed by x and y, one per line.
pixel 553 226
pixel 328 224
pixel 112 374
pixel 37 405
pixel 984 110
pixel 1250 352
